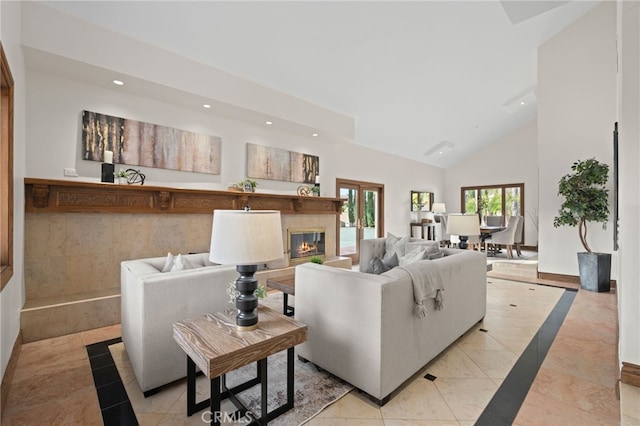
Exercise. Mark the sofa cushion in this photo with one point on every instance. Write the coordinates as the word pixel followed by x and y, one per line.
pixel 279 263
pixel 437 255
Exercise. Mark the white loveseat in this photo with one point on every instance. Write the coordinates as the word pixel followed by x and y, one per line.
pixel 152 301
pixel 362 327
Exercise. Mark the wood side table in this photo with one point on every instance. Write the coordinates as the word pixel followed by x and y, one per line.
pixel 287 285
pixel 213 344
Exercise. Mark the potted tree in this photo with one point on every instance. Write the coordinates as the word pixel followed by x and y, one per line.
pixel 587 200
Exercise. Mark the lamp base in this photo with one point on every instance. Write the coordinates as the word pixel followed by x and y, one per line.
pixel 246 302
pixel 463 242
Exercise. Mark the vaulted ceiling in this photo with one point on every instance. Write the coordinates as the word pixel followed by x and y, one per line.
pixel 414 75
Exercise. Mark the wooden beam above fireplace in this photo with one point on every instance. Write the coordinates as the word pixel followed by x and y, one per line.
pixel 51 195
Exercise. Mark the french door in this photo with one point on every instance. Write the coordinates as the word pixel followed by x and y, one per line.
pixel 362 215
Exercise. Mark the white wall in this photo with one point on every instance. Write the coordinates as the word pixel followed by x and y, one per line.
pixel 512 159
pixel 576 111
pixel 629 158
pixel 12 297
pixel 56 103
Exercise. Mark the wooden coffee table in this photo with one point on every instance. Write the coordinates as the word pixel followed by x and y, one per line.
pixel 214 344
pixel 287 285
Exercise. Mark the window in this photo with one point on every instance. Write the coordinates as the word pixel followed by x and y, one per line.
pixel 493 200
pixel 6 172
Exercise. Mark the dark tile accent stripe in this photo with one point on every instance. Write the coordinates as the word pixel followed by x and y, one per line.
pixel 505 404
pixel 112 397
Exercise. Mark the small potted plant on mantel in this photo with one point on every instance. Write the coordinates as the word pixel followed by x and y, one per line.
pixel 122 177
pixel 587 200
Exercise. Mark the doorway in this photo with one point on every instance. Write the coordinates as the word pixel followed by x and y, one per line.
pixel 362 215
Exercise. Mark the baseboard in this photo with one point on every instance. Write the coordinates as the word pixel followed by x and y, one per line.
pixel 630 374
pixel 571 279
pixel 5 387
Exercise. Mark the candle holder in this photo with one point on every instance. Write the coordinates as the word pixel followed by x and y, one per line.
pixel 107 172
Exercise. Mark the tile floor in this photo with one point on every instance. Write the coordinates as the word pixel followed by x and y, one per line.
pixel 53 383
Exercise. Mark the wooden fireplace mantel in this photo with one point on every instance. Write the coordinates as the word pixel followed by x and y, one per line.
pixel 54 196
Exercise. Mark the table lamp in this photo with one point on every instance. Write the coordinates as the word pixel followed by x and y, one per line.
pixel 246 238
pixel 438 208
pixel 463 226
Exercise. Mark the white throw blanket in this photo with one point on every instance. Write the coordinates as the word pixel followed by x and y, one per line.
pixel 427 284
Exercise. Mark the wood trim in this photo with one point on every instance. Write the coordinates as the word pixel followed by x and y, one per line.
pixel 5 387
pixel 559 277
pixel 50 195
pixel 6 168
pixel 630 374
pixel 572 279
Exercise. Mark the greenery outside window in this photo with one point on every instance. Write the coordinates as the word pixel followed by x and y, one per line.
pixel 493 200
pixel 6 172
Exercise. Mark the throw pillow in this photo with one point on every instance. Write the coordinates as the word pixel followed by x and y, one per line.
pixel 168 264
pixel 181 263
pixel 394 245
pixel 412 256
pixel 378 266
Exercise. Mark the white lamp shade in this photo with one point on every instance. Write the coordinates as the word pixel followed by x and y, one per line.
pixel 439 208
pixel 465 225
pixel 240 237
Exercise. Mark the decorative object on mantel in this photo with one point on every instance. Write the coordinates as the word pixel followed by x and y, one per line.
pixel 265 162
pixel 122 177
pixel 107 167
pixel 135 176
pixel 246 238
pixel 247 185
pixel 149 145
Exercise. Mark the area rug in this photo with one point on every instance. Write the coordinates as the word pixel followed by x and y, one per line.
pixel 314 388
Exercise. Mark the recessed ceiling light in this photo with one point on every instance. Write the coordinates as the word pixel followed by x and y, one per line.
pixel 206 106
pixel 523 102
pixel 118 82
pixel 268 122
pixel 314 134
pixel 440 149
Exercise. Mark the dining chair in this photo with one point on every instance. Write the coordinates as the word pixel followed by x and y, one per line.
pixel 494 220
pixel 445 238
pixel 519 236
pixel 506 237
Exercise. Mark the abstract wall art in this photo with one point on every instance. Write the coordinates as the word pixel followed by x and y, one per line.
pixel 149 145
pixel 265 162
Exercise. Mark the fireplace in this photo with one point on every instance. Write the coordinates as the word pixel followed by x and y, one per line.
pixel 305 243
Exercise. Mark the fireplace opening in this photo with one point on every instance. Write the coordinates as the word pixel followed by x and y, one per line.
pixel 305 243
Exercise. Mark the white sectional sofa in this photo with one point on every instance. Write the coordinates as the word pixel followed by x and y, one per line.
pixel 152 301
pixel 362 327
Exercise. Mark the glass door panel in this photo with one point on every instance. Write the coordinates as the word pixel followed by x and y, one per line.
pixel 361 216
pixel 370 214
pixel 470 201
pixel 512 202
pixel 348 222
